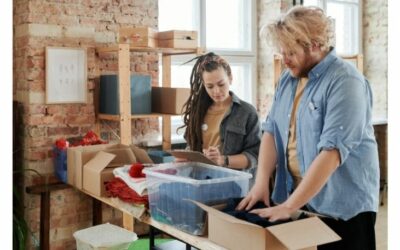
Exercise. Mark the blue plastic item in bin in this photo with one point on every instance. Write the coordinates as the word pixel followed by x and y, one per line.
pixel 159 156
pixel 60 164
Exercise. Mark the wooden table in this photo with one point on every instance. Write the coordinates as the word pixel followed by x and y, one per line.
pixel 140 214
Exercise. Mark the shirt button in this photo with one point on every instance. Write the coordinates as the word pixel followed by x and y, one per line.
pixel 286 132
pixel 288 115
pixel 341 127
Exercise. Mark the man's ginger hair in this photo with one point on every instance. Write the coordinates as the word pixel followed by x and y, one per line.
pixel 301 26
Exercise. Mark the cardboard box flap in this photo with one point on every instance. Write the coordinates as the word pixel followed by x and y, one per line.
pixel 141 155
pixel 122 156
pixel 99 161
pixel 303 233
pixel 223 215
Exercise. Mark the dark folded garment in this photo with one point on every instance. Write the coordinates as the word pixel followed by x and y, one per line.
pixel 250 217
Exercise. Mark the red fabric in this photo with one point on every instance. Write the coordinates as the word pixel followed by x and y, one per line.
pixel 136 170
pixel 118 188
pixel 62 144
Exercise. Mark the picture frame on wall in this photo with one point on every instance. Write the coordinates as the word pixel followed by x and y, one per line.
pixel 66 75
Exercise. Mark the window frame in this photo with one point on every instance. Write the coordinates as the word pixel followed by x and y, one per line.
pixel 359 4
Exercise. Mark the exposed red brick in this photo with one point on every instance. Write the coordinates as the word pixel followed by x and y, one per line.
pixel 62 131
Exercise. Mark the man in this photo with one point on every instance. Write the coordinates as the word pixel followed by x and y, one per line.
pixel 318 136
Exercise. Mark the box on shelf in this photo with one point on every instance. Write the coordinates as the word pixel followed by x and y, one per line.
pixel 229 232
pixel 88 169
pixel 171 186
pixel 182 39
pixel 103 237
pixel 159 156
pixel 140 94
pixel 167 100
pixel 138 36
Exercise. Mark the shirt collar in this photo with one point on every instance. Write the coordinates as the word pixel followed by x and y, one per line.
pixel 323 64
pixel 235 99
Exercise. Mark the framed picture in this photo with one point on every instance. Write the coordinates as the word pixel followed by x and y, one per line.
pixel 66 80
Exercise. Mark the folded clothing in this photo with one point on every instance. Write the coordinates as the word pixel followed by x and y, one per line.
pixel 230 209
pixel 139 185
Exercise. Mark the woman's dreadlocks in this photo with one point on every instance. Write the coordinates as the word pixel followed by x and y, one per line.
pixel 195 108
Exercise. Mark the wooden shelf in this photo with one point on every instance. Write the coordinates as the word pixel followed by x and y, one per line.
pixel 165 51
pixel 117 117
pixel 124 118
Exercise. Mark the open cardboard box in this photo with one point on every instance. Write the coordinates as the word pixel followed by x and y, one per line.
pixel 232 233
pixel 90 166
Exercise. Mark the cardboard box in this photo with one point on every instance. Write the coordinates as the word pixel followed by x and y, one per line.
pixel 138 36
pixel 78 158
pixel 167 100
pixel 99 169
pixel 183 39
pixel 233 233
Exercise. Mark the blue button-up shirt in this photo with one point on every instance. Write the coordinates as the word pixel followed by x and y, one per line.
pixel 334 113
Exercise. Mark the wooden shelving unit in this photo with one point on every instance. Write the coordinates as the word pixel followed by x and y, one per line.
pixel 125 117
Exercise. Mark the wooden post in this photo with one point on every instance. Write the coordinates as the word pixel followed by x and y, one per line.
pixel 124 85
pixel 166 119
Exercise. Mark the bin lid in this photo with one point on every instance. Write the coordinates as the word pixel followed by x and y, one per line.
pixel 105 235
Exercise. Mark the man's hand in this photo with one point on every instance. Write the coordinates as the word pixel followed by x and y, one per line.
pixel 280 212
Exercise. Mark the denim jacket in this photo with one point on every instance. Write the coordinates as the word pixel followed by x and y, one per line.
pixel 334 113
pixel 240 132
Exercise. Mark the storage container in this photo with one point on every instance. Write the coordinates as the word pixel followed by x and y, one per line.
pixel 182 39
pixel 138 36
pixel 104 236
pixel 140 94
pixel 166 100
pixel 170 185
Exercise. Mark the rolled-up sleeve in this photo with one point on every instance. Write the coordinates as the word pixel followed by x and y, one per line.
pixel 346 116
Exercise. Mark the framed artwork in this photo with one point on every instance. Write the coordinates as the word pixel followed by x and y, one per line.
pixel 66 70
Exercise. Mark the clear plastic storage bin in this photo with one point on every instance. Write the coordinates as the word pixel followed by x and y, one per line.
pixel 104 236
pixel 169 186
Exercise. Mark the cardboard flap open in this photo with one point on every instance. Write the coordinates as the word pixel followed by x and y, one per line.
pixel 99 161
pixel 141 155
pixel 303 233
pixel 223 215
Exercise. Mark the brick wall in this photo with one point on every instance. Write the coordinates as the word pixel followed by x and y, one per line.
pixel 375 49
pixel 69 23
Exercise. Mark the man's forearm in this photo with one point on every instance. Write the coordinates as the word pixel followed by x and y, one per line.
pixel 267 159
pixel 315 178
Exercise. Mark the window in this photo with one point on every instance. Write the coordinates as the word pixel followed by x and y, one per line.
pixel 230 33
pixel 346 15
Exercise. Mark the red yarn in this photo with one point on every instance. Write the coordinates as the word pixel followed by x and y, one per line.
pixel 116 187
pixel 136 170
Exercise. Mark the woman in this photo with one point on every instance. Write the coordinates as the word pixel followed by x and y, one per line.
pixel 219 124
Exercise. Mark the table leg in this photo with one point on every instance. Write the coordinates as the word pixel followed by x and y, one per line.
pixel 97 212
pixel 44 220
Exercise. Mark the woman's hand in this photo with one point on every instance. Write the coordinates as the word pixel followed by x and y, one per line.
pixel 213 154
pixel 257 193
